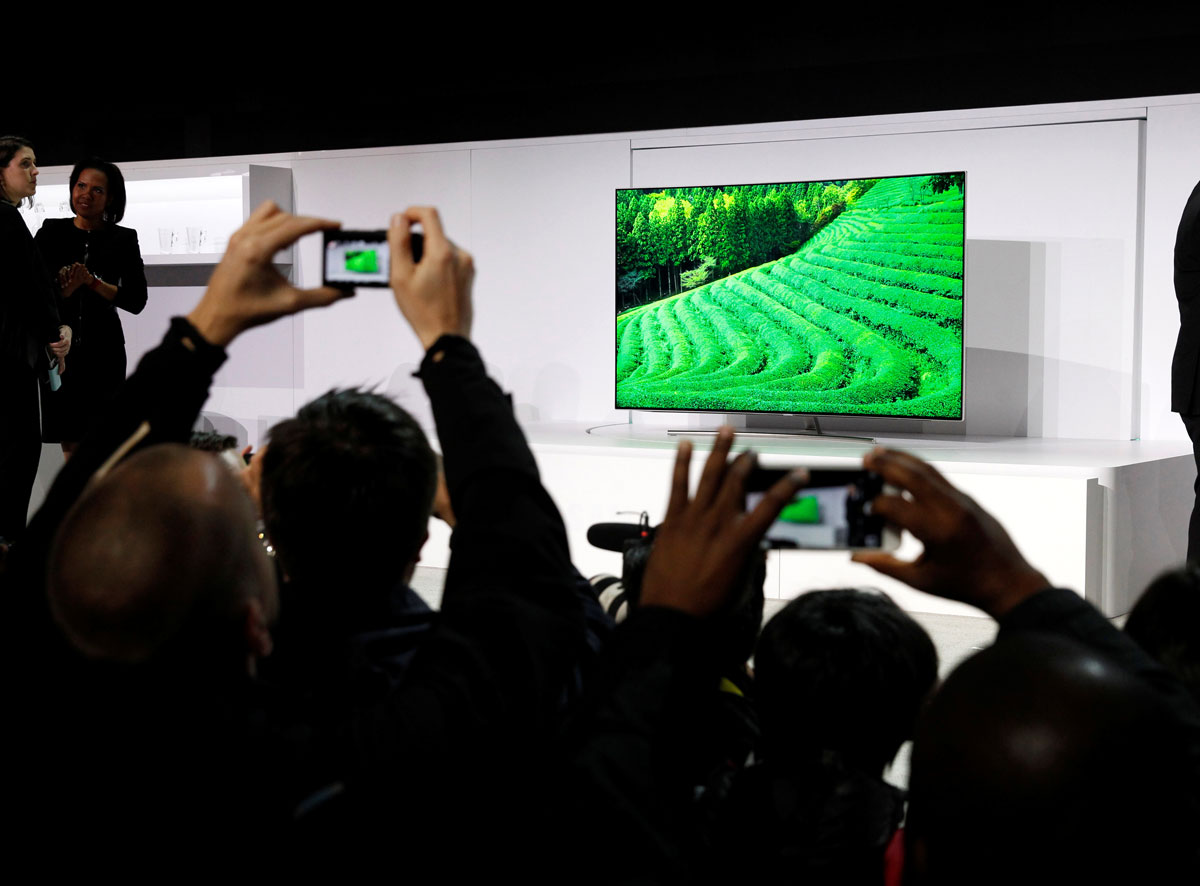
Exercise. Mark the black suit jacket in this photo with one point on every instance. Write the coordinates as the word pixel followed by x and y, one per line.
pixel 113 255
pixel 1185 392
pixel 28 317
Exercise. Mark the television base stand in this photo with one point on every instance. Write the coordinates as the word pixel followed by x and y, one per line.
pixel 814 431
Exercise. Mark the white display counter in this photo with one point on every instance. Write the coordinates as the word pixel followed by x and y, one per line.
pixel 1100 517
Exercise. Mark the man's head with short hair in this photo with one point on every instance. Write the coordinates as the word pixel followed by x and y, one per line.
pixel 224 446
pixel 212 441
pixel 347 489
pixel 842 671
pixel 158 559
pixel 1041 761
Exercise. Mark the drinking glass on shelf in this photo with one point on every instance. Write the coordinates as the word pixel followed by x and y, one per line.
pixel 166 240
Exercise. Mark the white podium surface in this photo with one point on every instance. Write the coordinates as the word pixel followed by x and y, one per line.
pixel 1100 517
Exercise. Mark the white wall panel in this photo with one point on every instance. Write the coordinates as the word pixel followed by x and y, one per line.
pixel 543 218
pixel 363 340
pixel 1071 189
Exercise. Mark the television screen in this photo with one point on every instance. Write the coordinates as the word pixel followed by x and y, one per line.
pixel 831 297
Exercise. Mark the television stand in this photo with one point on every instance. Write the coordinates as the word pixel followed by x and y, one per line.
pixel 814 431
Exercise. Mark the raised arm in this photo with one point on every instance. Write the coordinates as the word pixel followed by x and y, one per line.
pixel 624 786
pixel 160 401
pixel 969 557
pixel 508 533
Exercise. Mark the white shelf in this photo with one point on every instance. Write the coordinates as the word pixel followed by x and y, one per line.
pixel 190 205
pixel 184 258
pixel 1102 517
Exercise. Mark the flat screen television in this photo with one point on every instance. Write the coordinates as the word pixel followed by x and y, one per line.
pixel 839 297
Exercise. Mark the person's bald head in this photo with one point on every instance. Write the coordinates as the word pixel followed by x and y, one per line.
pixel 1040 759
pixel 160 557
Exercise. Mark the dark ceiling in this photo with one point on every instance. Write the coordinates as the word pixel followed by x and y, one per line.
pixel 173 103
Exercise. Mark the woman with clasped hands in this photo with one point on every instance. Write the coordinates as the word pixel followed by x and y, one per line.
pixel 99 269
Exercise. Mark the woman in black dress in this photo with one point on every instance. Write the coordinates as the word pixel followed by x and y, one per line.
pixel 98 268
pixel 30 335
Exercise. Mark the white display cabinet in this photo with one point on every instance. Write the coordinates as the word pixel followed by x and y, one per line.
pixel 183 216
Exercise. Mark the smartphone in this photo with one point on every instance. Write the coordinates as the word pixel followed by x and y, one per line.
pixel 832 512
pixel 361 258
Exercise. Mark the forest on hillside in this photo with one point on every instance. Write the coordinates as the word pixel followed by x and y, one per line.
pixel 674 239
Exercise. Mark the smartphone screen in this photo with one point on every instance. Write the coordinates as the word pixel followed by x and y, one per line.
pixel 830 513
pixel 361 258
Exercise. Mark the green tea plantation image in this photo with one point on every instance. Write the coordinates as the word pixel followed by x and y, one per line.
pixel 839 297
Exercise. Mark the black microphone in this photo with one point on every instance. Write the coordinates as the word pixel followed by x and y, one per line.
pixel 612 536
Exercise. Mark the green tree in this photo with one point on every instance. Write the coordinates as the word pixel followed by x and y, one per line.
pixel 677 240
pixel 944 181
pixel 698 276
pixel 643 251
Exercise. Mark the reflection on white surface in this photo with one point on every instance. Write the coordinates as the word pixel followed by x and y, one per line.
pixel 50 201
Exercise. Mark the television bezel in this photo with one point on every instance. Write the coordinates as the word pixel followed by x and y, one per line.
pixel 962 394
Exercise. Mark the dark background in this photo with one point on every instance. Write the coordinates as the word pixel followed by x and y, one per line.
pixel 256 87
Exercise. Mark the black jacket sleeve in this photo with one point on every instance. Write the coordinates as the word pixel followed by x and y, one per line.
pixel 1186 361
pixel 509 533
pixel 131 287
pixel 510 628
pixel 28 313
pixel 461 745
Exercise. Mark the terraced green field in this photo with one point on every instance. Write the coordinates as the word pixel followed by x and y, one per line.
pixel 865 318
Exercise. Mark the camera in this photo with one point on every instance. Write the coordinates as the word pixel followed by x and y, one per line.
pixel 831 512
pixel 361 258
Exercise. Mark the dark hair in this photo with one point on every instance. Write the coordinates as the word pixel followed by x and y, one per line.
pixel 114 206
pixel 842 671
pixel 1165 622
pixel 347 487
pixel 9 146
pixel 212 441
